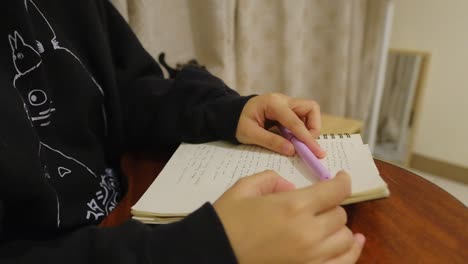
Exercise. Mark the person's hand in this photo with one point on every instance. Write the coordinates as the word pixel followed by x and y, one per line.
pixel 301 117
pixel 267 221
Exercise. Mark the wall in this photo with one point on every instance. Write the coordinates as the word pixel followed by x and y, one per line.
pixel 440 27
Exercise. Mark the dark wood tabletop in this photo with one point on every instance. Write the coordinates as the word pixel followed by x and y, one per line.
pixel 418 223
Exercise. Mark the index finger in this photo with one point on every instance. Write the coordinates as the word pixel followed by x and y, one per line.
pixel 289 119
pixel 323 195
pixel 310 111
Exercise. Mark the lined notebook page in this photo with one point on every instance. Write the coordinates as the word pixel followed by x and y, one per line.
pixel 202 172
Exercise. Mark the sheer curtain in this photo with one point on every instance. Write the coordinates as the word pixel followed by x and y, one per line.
pixel 326 50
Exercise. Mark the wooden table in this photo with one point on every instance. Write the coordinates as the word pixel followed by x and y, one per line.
pixel 418 223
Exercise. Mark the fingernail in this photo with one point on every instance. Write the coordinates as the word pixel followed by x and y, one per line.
pixel 360 238
pixel 288 149
pixel 322 149
pixel 314 132
pixel 324 153
pixel 321 152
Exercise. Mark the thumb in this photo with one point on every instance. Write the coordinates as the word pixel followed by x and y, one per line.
pixel 262 183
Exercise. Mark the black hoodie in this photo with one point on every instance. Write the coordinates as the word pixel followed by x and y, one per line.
pixel 77 90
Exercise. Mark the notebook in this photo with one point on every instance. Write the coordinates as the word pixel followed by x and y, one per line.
pixel 197 173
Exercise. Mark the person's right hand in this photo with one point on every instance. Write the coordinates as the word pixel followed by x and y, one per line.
pixel 268 221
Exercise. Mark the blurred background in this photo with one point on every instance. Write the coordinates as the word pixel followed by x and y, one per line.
pixel 393 70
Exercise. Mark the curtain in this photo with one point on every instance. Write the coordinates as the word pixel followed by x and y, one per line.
pixel 326 50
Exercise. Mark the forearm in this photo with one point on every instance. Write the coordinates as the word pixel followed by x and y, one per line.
pixel 195 107
pixel 199 238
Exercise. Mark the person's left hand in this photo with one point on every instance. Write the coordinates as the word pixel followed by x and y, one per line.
pixel 301 117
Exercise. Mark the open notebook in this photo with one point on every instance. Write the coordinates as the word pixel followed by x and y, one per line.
pixel 197 173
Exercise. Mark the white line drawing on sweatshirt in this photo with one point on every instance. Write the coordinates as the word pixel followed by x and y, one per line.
pixel 62 171
pixel 26 59
pixel 47 176
pixel 56 45
pixel 106 199
pixel 69 158
pixel 20 51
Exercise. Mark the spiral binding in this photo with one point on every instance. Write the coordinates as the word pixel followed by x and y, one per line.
pixel 333 136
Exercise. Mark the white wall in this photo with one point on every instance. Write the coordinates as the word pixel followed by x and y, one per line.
pixel 440 27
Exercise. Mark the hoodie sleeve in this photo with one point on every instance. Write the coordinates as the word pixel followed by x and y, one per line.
pixel 195 106
pixel 198 238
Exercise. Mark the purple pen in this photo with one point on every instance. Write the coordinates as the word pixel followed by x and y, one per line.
pixel 306 154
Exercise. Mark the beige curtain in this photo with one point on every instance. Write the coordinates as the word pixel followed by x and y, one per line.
pixel 326 50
